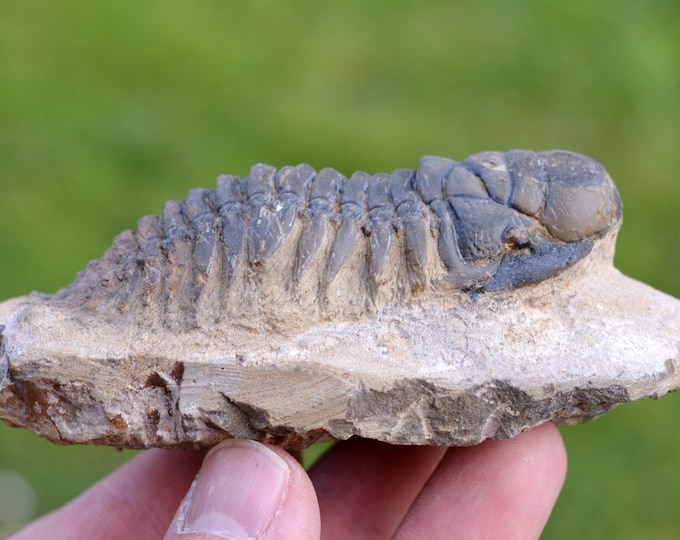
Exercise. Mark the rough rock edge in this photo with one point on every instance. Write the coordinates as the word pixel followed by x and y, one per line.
pixel 565 350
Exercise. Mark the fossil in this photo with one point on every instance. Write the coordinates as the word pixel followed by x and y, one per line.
pixel 442 305
pixel 493 222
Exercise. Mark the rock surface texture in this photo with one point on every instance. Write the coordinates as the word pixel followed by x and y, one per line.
pixel 443 305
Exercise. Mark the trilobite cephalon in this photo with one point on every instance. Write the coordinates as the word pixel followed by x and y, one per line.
pixel 280 241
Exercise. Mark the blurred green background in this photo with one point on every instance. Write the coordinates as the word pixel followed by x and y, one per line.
pixel 109 109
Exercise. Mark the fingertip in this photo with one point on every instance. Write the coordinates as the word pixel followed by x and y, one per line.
pixel 531 469
pixel 246 489
pixel 506 488
pixel 531 472
pixel 299 516
pixel 545 443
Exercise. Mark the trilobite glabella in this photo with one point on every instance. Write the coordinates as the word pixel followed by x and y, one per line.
pixel 442 305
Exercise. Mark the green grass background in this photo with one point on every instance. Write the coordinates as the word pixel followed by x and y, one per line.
pixel 108 109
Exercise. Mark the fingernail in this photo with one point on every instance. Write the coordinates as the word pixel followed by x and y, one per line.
pixel 238 491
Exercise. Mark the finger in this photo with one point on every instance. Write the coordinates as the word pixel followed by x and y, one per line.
pixel 499 489
pixel 136 501
pixel 247 489
pixel 365 487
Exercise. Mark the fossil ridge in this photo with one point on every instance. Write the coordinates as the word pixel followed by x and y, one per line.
pixel 443 305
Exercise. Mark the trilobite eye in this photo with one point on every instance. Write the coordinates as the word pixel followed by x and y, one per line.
pixel 582 199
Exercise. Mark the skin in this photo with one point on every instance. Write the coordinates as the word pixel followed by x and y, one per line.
pixel 360 489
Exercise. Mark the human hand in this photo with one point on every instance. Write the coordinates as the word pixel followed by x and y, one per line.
pixel 360 489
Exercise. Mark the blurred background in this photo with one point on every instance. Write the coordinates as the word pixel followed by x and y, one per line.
pixel 109 109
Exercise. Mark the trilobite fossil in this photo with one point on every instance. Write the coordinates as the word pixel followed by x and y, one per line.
pixel 441 305
pixel 293 239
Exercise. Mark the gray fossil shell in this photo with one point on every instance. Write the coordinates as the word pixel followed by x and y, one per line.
pixel 293 240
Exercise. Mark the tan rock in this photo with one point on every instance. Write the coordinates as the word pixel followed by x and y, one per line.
pixel 292 307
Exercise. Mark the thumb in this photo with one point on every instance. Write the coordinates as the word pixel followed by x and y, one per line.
pixel 246 489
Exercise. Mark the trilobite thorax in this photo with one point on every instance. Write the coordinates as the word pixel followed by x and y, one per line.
pixel 280 243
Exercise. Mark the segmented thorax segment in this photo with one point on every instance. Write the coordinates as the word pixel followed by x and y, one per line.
pixel 280 243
